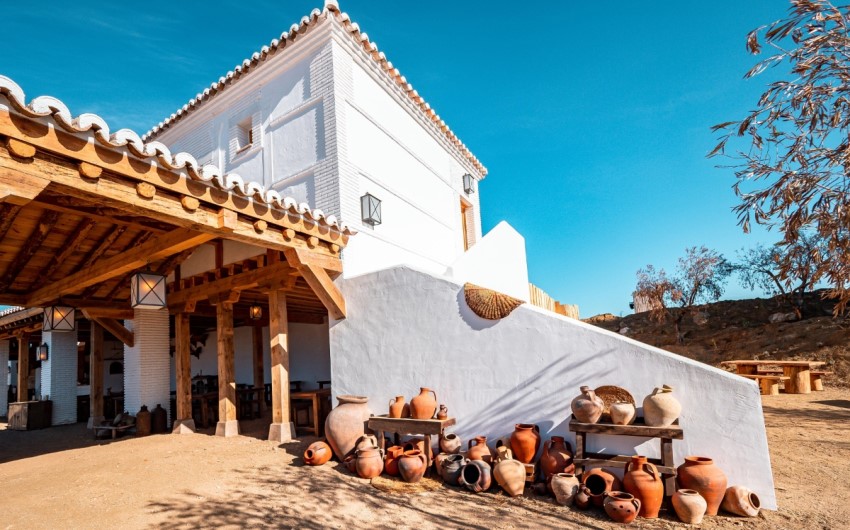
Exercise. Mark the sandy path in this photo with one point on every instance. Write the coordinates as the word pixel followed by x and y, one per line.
pixel 204 481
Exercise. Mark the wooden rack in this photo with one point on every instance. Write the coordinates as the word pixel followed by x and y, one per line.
pixel 409 426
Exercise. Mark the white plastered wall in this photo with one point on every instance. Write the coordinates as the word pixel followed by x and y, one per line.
pixel 405 329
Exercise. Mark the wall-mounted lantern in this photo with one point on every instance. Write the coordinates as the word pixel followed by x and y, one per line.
pixel 59 318
pixel 370 208
pixel 468 184
pixel 147 291
pixel 255 312
pixel 41 351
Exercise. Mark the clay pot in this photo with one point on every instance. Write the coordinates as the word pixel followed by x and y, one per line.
pixel 621 507
pixel 412 465
pixel 557 457
pixel 398 408
pixel 481 451
pixel 415 443
pixel 689 506
pixel 582 500
pixel 370 462
pixel 525 441
pixel 565 488
pixel 159 420
pixel 423 406
pixel 143 422
pixel 391 460
pixel 475 476
pixel 451 443
pixel 450 468
pixel 699 473
pixel 444 413
pixel 367 441
pixel 350 462
pixel 599 482
pixel 643 480
pixel 741 501
pixel 346 423
pixel 317 454
pixel 587 407
pixel 622 413
pixel 660 408
pixel 510 475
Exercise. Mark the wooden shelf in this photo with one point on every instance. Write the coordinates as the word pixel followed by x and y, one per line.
pixel 638 428
pixel 408 425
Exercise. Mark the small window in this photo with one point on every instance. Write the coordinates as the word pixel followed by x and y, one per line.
pixel 244 134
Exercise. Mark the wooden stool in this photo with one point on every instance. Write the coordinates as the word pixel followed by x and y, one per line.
pixel 769 384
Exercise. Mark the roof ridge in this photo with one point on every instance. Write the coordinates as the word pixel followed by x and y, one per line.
pixel 353 29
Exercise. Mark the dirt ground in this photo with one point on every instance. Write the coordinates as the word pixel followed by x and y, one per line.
pixel 62 478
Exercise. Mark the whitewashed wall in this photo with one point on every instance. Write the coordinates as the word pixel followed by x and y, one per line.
pixel 407 329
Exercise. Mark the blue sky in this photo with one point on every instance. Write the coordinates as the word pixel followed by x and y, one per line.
pixel 593 119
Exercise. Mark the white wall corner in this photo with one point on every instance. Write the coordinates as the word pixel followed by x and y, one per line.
pixel 496 262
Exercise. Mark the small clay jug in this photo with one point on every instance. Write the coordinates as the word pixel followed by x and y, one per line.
pixel 412 465
pixel 317 454
pixel 699 473
pixel 642 479
pixel 582 500
pixel 689 506
pixel 622 413
pixel 346 423
pixel 622 507
pixel 451 443
pixel 475 476
pixel 557 457
pixel 599 482
pixel 741 501
pixel 370 462
pixel 391 460
pixel 565 488
pixel 398 408
pixel 444 413
pixel 450 468
pixel 660 408
pixel 423 406
pixel 367 441
pixel 587 407
pixel 480 451
pixel 143 422
pixel 525 441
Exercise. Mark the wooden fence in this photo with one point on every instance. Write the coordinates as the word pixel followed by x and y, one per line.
pixel 541 298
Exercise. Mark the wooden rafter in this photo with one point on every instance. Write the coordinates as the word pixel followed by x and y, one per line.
pixel 76 206
pixel 321 283
pixel 104 244
pixel 29 248
pixel 81 231
pixel 139 239
pixel 8 213
pixel 235 283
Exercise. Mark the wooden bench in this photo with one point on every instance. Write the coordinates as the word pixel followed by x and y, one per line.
pixel 768 383
pixel 816 377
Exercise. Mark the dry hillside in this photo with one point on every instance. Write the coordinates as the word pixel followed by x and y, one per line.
pixel 740 329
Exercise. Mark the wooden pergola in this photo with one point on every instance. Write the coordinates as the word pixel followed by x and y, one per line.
pixel 80 213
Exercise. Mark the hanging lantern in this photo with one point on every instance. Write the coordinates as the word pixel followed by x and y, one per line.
pixel 147 291
pixel 59 318
pixel 370 209
pixel 255 312
pixel 41 351
pixel 468 184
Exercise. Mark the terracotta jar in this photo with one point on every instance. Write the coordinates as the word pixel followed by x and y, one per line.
pixel 699 473
pixel 450 469
pixel 415 443
pixel 143 422
pixel 510 475
pixel 565 488
pixel 480 451
pixel 475 476
pixel 557 457
pixel 660 408
pixel 582 500
pixel 346 423
pixel 525 441
pixel 622 413
pixel 622 507
pixel 159 420
pixel 599 482
pixel 350 462
pixel 642 479
pixel 689 506
pixel 367 441
pixel 370 462
pixel 317 454
pixel 444 413
pixel 391 460
pixel 398 408
pixel 741 501
pixel 412 465
pixel 451 443
pixel 423 406
pixel 587 407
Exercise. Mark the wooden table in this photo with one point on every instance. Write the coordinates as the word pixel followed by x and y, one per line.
pixel 798 372
pixel 665 464
pixel 315 397
pixel 381 424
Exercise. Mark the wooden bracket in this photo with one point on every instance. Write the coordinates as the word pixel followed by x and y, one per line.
pixel 318 280
pixel 113 326
pixel 229 297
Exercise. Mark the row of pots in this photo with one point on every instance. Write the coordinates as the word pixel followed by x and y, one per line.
pixel 421 407
pixel 660 408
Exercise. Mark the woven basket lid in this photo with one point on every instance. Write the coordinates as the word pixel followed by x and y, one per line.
pixel 488 303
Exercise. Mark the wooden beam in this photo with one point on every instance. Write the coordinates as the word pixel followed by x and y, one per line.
pixel 259 372
pixel 237 282
pixel 8 213
pixel 137 240
pixel 81 231
pixel 165 245
pixel 279 341
pixel 227 425
pixel 182 366
pixel 13 299
pixel 318 280
pixel 45 224
pixel 23 366
pixel 116 313
pixel 332 264
pixel 17 316
pixel 96 372
pixel 20 191
pixel 103 246
pixel 113 326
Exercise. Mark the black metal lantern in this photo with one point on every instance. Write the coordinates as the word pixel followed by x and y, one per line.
pixel 59 318
pixel 41 351
pixel 370 208
pixel 147 290
pixel 255 312
pixel 468 184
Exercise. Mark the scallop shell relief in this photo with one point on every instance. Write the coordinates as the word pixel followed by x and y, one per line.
pixel 488 303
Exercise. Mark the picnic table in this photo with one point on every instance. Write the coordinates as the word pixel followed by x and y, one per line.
pixel 799 373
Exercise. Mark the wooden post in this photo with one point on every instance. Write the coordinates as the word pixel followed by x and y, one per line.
pixel 769 386
pixel 281 428
pixel 184 423
pixel 96 375
pixel 227 423
pixel 259 375
pixel 801 379
pixel 23 366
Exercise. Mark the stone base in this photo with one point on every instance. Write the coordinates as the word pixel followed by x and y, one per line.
pixel 227 428
pixel 282 432
pixel 184 427
pixel 95 420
